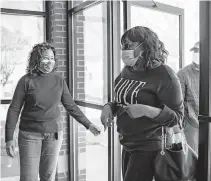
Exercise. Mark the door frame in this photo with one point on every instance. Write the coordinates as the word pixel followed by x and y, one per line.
pixel 204 163
pixel 156 6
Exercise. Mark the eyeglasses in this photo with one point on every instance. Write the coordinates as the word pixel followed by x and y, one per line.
pixel 131 53
pixel 128 46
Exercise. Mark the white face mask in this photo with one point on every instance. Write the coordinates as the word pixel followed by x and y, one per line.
pixel 129 61
pixel 130 57
pixel 195 58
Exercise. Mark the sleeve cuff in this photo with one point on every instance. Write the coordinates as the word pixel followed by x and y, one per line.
pixel 9 134
pixel 113 107
pixel 111 104
pixel 164 115
pixel 87 124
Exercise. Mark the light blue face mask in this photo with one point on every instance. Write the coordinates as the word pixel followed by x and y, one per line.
pixel 130 57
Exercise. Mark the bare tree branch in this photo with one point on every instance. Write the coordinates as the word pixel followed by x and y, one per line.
pixel 11 43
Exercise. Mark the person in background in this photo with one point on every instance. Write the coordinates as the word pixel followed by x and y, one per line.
pixel 147 96
pixel 189 79
pixel 38 94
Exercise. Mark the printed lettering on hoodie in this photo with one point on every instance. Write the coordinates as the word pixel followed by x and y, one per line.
pixel 127 91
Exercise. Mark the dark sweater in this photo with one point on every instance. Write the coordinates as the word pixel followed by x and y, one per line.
pixel 159 87
pixel 40 97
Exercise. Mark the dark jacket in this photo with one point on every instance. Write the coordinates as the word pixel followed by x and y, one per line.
pixel 158 87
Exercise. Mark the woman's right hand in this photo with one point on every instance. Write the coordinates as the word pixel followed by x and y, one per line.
pixel 10 148
pixel 107 116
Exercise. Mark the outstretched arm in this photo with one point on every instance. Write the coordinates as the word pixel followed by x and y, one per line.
pixel 72 108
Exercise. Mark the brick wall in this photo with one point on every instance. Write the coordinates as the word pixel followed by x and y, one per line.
pixel 58 35
pixel 79 73
pixel 58 30
pixel 79 89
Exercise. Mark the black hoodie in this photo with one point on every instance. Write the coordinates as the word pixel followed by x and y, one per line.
pixel 158 87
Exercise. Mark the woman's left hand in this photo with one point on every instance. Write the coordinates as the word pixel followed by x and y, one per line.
pixel 136 110
pixel 94 129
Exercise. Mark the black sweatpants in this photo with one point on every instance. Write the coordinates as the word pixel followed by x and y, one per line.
pixel 138 165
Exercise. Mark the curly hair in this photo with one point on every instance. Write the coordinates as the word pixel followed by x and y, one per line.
pixel 154 49
pixel 35 56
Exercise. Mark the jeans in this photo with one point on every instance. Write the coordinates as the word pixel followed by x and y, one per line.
pixel 138 165
pixel 38 155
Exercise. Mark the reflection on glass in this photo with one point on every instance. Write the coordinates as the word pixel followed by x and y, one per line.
pixel 165 25
pixel 92 150
pixel 19 34
pixel 37 5
pixel 90 55
pixel 9 166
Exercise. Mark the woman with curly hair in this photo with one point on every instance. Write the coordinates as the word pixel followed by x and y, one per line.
pixel 38 94
pixel 147 96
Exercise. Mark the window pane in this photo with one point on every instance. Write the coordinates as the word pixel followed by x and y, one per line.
pixel 191 24
pixel 9 167
pixel 90 55
pixel 191 21
pixel 19 34
pixel 165 25
pixel 37 5
pixel 92 150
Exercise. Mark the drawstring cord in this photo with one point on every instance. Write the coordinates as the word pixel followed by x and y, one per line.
pixel 162 142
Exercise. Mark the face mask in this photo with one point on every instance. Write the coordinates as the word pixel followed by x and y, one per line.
pixel 130 57
pixel 46 67
pixel 195 58
pixel 129 61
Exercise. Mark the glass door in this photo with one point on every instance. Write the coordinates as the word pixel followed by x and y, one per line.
pixel 90 57
pixel 165 20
